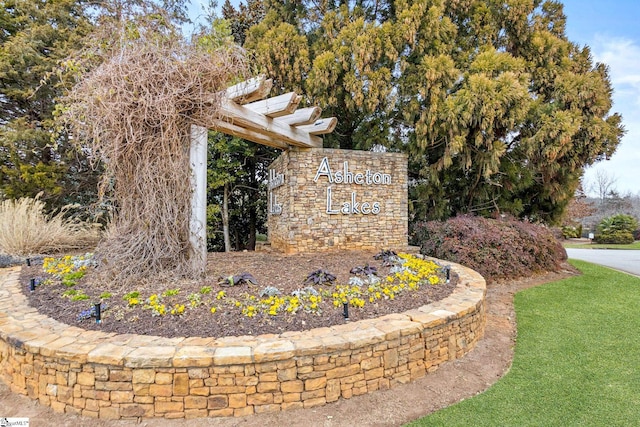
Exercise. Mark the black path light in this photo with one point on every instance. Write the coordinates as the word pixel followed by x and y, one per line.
pixel 28 262
pixel 97 307
pixel 32 285
pixel 447 272
pixel 345 310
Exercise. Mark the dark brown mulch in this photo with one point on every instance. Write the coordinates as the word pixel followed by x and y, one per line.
pixel 286 272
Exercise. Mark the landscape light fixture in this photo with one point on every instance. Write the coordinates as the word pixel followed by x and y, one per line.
pixel 447 272
pixel 345 310
pixel 28 262
pixel 98 314
pixel 32 285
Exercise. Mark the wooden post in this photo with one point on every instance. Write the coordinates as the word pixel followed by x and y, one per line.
pixel 198 218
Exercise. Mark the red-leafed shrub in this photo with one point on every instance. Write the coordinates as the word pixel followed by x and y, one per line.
pixel 496 248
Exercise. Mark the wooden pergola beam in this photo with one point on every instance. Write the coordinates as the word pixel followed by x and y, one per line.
pixel 303 116
pixel 274 121
pixel 249 135
pixel 244 117
pixel 320 127
pixel 250 90
pixel 277 106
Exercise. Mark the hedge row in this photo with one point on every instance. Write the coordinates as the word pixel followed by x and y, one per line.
pixel 496 248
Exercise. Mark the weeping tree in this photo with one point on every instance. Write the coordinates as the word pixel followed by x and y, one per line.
pixel 134 111
pixel 498 110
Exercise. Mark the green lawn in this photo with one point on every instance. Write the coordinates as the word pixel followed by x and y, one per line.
pixel 577 358
pixel 634 245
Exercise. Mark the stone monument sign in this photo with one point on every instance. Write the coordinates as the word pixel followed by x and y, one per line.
pixel 323 199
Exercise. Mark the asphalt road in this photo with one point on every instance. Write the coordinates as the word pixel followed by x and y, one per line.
pixel 623 260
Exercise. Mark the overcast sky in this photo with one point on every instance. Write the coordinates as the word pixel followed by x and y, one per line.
pixel 612 30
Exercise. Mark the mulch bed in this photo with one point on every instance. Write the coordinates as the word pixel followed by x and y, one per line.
pixel 286 272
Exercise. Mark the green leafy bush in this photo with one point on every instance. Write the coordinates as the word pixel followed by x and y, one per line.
pixel 496 248
pixel 571 232
pixel 616 229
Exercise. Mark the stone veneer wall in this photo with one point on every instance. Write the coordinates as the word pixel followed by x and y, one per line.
pixel 111 376
pixel 304 225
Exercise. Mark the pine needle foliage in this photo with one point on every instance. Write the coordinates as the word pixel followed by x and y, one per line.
pixel 497 109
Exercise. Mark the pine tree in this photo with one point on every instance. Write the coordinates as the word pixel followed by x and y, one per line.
pixel 498 110
pixel 36 36
pixel 37 40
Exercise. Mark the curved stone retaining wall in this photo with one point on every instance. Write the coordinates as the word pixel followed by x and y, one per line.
pixel 106 375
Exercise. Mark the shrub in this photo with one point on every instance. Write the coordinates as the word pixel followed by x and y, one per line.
pixel 496 248
pixel 26 230
pixel 571 231
pixel 616 229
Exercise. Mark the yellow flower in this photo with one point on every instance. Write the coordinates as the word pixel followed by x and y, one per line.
pixel 178 310
pixel 213 310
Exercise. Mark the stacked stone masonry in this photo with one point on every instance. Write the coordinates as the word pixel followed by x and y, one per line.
pixel 324 199
pixel 105 375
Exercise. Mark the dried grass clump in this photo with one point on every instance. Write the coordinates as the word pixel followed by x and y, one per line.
pixel 26 230
pixel 136 110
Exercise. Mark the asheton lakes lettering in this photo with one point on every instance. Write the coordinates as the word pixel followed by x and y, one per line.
pixel 276 180
pixel 345 176
pixel 352 206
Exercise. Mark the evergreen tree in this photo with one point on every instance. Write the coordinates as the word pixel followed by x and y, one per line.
pixel 237 169
pixel 37 39
pixel 36 36
pixel 498 110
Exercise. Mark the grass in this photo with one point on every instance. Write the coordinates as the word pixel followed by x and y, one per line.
pixel 635 245
pixel 576 358
pixel 26 230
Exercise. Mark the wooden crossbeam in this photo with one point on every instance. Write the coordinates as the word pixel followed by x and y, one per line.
pixel 249 135
pixel 250 90
pixel 244 117
pixel 276 106
pixel 320 127
pixel 303 116
pixel 275 121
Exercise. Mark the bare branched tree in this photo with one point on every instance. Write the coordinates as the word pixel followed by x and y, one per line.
pixel 604 185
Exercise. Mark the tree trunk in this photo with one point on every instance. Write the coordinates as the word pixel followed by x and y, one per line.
pixel 253 214
pixel 225 219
